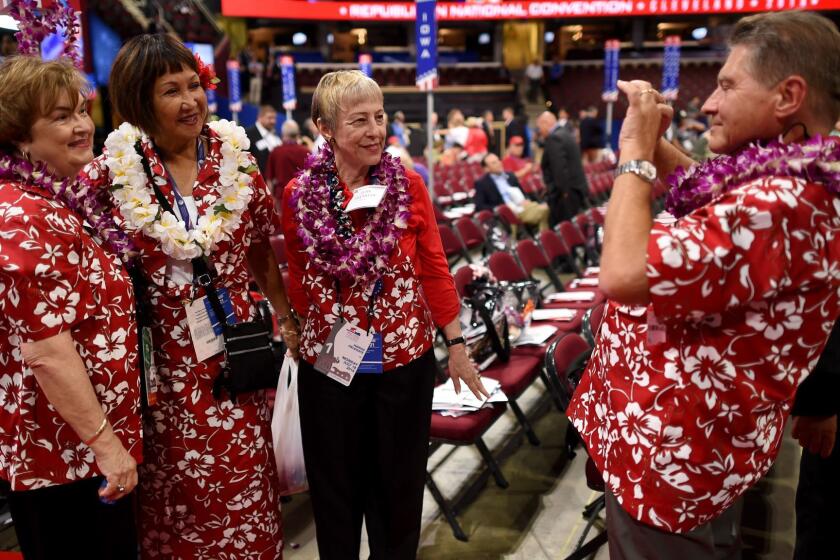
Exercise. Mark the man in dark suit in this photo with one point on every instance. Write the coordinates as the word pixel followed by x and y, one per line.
pixel 262 136
pixel 516 124
pixel 497 187
pixel 565 181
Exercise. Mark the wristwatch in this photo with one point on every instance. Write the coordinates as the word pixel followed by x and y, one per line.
pixel 454 341
pixel 644 169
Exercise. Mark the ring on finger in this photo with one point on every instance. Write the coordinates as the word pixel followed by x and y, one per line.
pixel 121 489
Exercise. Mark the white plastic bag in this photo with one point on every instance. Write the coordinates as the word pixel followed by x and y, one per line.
pixel 285 432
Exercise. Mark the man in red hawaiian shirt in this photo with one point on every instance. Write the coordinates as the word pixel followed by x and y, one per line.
pixel 717 318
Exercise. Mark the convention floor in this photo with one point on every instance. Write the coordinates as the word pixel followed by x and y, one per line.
pixel 539 516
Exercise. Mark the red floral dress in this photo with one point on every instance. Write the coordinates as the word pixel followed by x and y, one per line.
pixel 747 291
pixel 54 278
pixel 208 487
pixel 418 290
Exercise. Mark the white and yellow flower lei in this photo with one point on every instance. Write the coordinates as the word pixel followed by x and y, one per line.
pixel 139 209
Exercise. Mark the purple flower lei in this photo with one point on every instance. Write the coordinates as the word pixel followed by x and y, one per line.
pixel 817 160
pixel 332 247
pixel 84 201
pixel 35 23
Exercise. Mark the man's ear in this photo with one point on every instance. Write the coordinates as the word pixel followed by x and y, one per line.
pixel 792 92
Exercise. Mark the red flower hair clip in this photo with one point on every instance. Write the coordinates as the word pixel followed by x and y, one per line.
pixel 206 74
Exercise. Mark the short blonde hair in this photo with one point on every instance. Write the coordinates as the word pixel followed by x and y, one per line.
pixel 338 91
pixel 29 89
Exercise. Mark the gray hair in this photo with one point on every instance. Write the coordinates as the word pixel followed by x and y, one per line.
pixel 802 43
pixel 290 130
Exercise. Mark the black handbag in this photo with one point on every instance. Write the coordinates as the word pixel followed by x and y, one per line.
pixel 250 362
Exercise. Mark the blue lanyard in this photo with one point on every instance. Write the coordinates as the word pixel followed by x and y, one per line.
pixel 179 200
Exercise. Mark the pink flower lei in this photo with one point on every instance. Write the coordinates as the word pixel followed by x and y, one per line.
pixel 35 23
pixel 816 160
pixel 84 201
pixel 325 230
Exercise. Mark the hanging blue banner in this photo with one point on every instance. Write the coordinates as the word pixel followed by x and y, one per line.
pixel 611 57
pixel 426 36
pixel 287 74
pixel 234 93
pixel 366 65
pixel 671 68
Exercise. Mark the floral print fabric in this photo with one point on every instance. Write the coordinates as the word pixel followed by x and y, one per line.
pixel 746 289
pixel 418 291
pixel 208 485
pixel 55 278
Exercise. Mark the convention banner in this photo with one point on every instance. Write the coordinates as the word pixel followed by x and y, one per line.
pixel 287 74
pixel 234 92
pixel 366 65
pixel 426 36
pixel 612 49
pixel 473 11
pixel 671 68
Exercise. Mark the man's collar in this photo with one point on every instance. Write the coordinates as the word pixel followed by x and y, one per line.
pixel 262 130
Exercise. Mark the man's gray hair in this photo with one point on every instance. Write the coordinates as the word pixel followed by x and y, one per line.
pixel 795 43
pixel 290 130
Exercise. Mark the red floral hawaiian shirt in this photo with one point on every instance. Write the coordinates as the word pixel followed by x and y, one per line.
pixel 54 277
pixel 746 289
pixel 418 290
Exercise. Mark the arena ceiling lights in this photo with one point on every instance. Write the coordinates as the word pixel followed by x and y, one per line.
pixel 473 11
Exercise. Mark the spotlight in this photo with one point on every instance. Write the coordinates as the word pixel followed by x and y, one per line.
pixel 484 39
pixel 700 33
pixel 299 39
pixel 549 36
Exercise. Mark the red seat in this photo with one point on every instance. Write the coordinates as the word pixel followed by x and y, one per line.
pixel 439 215
pixel 505 268
pixel 452 245
pixel 532 257
pixel 464 430
pixel 472 235
pixel 507 216
pixel 463 276
pixel 486 218
pixel 565 361
pixel 557 250
pixel 514 375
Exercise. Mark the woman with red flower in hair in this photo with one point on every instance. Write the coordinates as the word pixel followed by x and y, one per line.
pixel 189 195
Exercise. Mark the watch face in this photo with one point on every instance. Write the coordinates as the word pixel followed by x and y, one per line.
pixel 648 170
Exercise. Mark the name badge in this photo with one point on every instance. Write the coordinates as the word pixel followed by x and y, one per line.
pixel 205 327
pixel 372 360
pixel 343 352
pixel 368 196
pixel 150 376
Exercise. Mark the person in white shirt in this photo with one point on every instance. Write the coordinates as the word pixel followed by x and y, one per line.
pixel 263 136
pixel 534 73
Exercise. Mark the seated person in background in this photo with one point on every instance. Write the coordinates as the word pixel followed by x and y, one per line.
pixel 496 187
pixel 514 162
pixel 287 159
pixel 452 155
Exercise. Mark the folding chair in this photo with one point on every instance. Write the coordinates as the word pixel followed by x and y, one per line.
pixel 452 245
pixel 471 234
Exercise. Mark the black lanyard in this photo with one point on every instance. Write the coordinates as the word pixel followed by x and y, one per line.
pixel 179 199
pixel 375 292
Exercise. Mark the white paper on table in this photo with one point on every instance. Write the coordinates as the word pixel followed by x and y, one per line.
pixel 584 282
pixel 535 335
pixel 553 314
pixel 368 196
pixel 571 296
pixel 592 270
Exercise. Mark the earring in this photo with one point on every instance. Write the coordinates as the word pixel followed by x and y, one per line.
pixel 26 155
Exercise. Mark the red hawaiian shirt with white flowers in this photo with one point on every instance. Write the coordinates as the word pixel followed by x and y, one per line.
pixel 53 278
pixel 418 290
pixel 747 291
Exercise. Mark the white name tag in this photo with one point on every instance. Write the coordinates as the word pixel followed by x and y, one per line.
pixel 368 196
pixel 343 351
pixel 205 341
